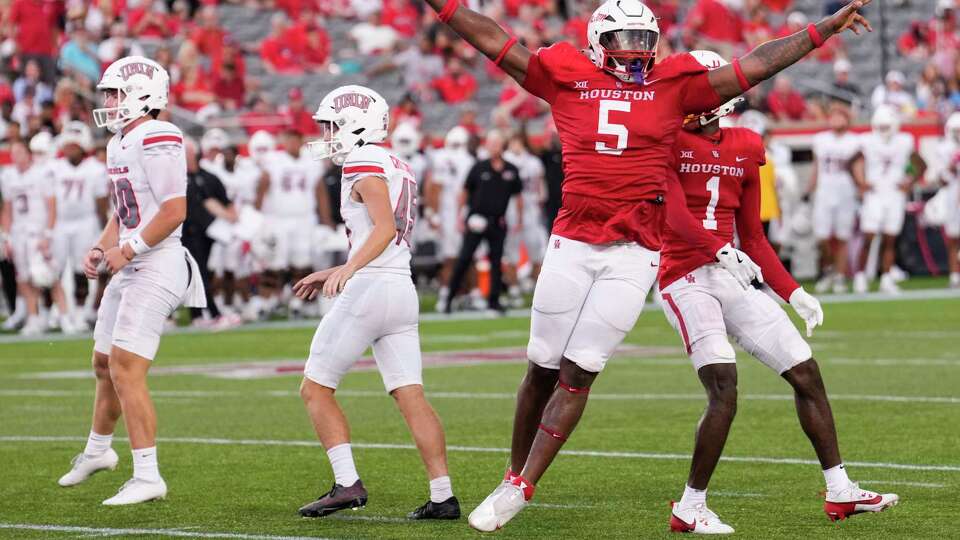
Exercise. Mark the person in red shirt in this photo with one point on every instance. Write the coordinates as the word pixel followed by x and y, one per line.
pixel 262 116
pixel 146 22
pixel 719 171
pixel 712 22
pixel 297 116
pixel 402 16
pixel 209 36
pixel 35 24
pixel 230 88
pixel 617 112
pixel 784 102
pixel 456 85
pixel 194 91
pixel 277 51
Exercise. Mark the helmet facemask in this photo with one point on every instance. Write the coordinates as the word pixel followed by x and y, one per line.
pixel 328 144
pixel 123 111
pixel 629 54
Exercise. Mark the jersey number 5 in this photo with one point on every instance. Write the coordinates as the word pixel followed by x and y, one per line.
pixel 604 127
pixel 126 202
pixel 405 213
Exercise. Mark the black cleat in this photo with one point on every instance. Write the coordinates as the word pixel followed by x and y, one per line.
pixel 448 509
pixel 338 498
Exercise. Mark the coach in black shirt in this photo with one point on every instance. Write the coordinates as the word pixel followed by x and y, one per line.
pixel 490 185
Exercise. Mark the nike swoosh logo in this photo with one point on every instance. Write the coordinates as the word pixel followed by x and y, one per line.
pixel 646 83
pixel 739 159
pixel 654 265
pixel 739 260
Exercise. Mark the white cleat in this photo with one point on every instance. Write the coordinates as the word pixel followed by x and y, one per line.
pixel 498 508
pixel 860 284
pixel 888 285
pixel 853 500
pixel 136 491
pixel 823 284
pixel 85 466
pixel 840 285
pixel 698 519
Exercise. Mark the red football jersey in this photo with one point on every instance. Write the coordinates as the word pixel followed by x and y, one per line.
pixel 616 139
pixel 720 176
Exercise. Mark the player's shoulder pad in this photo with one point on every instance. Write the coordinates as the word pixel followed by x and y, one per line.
pixel 158 134
pixel 677 65
pixel 750 142
pixel 564 62
pixel 367 160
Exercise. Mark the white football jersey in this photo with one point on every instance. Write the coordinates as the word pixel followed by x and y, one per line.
pixel 450 169
pixel 373 160
pixel 834 153
pixel 241 182
pixel 147 167
pixel 886 159
pixel 946 153
pixel 78 188
pixel 27 192
pixel 531 174
pixel 293 185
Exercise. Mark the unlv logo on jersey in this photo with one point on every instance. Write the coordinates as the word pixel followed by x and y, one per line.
pixel 359 101
pixel 136 68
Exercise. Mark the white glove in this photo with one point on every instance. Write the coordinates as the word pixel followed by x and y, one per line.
pixel 808 308
pixel 739 264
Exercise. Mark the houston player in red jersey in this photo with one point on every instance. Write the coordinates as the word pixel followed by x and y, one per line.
pixel 618 112
pixel 719 170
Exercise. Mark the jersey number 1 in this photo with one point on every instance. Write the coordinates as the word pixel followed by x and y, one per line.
pixel 713 186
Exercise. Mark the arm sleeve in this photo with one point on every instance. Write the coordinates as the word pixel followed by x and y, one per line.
pixel 682 222
pixel 166 170
pixel 754 243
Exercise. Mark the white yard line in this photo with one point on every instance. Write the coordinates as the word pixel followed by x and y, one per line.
pixel 109 531
pixel 899 483
pixel 494 450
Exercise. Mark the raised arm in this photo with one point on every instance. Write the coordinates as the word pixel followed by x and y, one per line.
pixel 774 56
pixel 486 36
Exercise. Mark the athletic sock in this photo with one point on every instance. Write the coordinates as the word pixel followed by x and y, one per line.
pixel 97 444
pixel 440 489
pixel 692 497
pixel 341 459
pixel 145 465
pixel 836 478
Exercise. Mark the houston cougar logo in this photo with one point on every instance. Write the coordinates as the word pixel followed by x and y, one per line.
pixel 137 68
pixel 359 101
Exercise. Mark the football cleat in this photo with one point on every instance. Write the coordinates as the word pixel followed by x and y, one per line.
pixel 500 506
pixel 136 491
pixel 888 285
pixel 840 285
pixel 697 519
pixel 852 500
pixel 338 498
pixel 84 466
pixel 448 509
pixel 860 284
pixel 823 284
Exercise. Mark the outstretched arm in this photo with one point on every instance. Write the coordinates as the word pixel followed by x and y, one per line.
pixel 774 56
pixel 485 35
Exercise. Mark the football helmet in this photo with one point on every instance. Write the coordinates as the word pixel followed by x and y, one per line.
pixel 141 84
pixel 41 146
pixel 457 139
pixel 623 37
pixel 755 121
pixel 405 140
pixel 261 143
pixel 76 132
pixel 952 127
pixel 214 139
pixel 42 274
pixel 349 116
pixel 885 121
pixel 712 60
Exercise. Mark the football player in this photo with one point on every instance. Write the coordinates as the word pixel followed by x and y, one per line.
pixel 834 197
pixel 530 230
pixel 152 272
pixel 948 174
pixel 618 112
pixel 884 183
pixel 28 219
pixel 719 170
pixel 376 305
pixel 81 192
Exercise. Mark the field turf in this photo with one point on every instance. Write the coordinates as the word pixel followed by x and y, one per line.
pixel 240 457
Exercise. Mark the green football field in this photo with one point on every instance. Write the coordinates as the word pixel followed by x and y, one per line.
pixel 240 457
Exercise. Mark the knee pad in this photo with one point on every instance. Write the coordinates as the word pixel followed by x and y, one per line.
pixel 712 349
pixel 540 353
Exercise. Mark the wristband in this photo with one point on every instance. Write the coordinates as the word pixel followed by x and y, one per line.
pixel 137 244
pixel 506 48
pixel 815 36
pixel 97 248
pixel 448 10
pixel 741 78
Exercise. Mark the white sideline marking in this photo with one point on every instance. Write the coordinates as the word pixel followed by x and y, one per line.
pixel 108 531
pixel 561 506
pixel 736 494
pixel 484 395
pixel 493 450
pixel 379 519
pixel 899 483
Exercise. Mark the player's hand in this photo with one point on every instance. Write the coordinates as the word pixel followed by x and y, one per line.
pixel 44 246
pixel 337 281
pixel 309 287
pixel 849 17
pixel 808 308
pixel 116 260
pixel 739 264
pixel 92 262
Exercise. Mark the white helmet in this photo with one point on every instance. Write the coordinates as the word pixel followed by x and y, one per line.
pixel 261 143
pixel 42 274
pixel 406 140
pixel 214 139
pixel 41 145
pixel 457 139
pixel 952 128
pixel 76 132
pixel 623 37
pixel 885 121
pixel 712 60
pixel 142 85
pixel 755 121
pixel 349 116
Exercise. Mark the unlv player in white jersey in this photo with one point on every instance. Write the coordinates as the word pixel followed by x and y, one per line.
pixel 27 221
pixel 526 227
pixel 81 188
pixel 884 182
pixel 152 272
pixel 377 304
pixel 834 197
pixel 947 173
pixel 449 168
pixel 291 196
